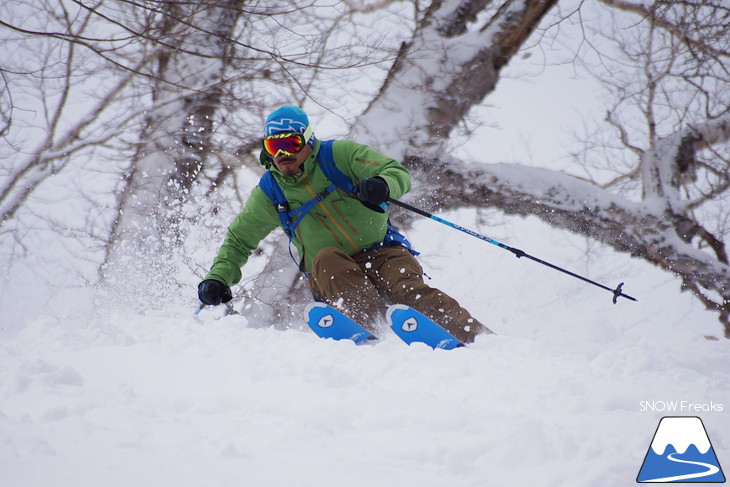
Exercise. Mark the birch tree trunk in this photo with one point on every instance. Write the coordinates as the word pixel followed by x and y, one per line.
pixel 173 144
pixel 444 70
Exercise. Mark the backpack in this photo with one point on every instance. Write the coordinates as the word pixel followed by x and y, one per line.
pixel 290 219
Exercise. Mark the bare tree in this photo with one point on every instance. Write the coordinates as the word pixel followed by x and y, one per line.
pixel 175 139
pixel 61 130
pixel 185 78
pixel 197 79
pixel 671 111
pixel 658 226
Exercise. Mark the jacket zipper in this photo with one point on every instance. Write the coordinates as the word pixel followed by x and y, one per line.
pixel 321 204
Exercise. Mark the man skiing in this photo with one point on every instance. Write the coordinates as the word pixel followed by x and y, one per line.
pixel 355 260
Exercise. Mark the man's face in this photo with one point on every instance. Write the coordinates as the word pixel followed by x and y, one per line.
pixel 289 165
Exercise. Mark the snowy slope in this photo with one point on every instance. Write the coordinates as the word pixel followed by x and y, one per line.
pixel 159 399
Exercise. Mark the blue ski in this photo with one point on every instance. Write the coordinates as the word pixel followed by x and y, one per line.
pixel 327 322
pixel 411 326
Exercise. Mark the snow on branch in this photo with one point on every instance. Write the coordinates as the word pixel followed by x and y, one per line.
pixel 443 71
pixel 569 203
pixel 664 167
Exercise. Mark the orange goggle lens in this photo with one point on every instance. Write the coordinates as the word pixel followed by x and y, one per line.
pixel 289 144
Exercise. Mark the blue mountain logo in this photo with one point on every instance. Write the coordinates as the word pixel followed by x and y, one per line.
pixel 681 452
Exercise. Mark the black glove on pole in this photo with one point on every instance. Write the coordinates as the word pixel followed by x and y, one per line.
pixel 213 293
pixel 373 192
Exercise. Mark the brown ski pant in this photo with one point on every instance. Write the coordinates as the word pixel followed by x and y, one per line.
pixel 362 285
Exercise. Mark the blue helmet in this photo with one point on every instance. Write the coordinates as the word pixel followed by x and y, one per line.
pixel 287 119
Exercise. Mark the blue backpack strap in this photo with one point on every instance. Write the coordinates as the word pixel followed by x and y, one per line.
pixel 394 237
pixel 272 189
pixel 302 211
pixel 333 173
pixel 290 219
pixel 329 168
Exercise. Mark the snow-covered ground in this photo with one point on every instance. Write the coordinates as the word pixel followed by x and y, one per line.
pixel 557 398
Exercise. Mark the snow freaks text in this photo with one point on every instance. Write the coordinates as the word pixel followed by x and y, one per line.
pixel 680 407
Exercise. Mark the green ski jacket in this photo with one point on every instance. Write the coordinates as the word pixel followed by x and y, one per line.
pixel 340 220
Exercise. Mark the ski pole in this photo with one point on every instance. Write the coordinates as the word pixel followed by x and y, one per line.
pixel 230 310
pixel 617 293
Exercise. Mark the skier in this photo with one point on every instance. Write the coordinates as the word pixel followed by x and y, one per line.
pixel 355 260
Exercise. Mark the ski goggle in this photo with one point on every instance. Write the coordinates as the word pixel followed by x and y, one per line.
pixel 289 144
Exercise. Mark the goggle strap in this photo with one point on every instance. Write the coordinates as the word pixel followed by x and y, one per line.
pixel 308 132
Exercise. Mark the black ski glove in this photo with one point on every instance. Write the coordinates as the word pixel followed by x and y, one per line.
pixel 213 293
pixel 372 192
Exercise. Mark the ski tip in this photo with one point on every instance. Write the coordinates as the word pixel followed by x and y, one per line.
pixel 314 305
pixel 392 309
